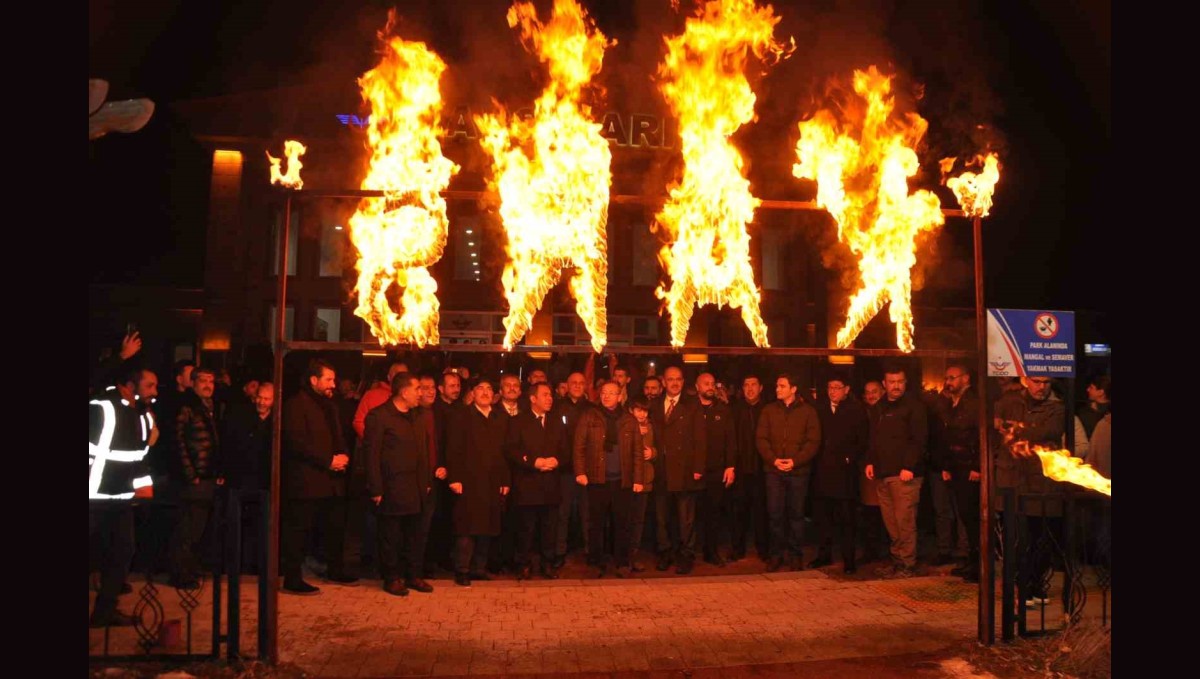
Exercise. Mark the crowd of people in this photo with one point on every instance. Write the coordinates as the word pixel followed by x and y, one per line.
pixel 423 470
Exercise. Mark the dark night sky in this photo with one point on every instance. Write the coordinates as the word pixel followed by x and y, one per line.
pixel 1038 72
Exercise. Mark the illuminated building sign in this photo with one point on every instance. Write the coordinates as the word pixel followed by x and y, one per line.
pixel 638 130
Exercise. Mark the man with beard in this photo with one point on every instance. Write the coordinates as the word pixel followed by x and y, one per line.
pixel 652 388
pixel 537 443
pixel 896 457
pixel 314 474
pixel 197 466
pixel 956 455
pixel 440 542
pixel 427 397
pixel 719 474
pixel 1033 417
pixel 479 475
pixel 621 377
pixel 748 494
pixel 503 550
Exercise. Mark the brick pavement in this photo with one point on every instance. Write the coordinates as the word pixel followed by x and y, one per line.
pixel 581 625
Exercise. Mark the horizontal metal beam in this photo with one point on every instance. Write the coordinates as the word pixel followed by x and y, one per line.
pixel 620 199
pixel 657 350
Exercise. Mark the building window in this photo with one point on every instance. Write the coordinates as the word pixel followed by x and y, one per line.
pixel 563 329
pixel 468 249
pixel 645 330
pixel 333 248
pixel 328 325
pixel 774 255
pixel 293 242
pixel 184 352
pixel 645 255
pixel 289 324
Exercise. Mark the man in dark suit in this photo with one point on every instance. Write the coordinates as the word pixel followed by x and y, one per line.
pixel 679 472
pixel 399 482
pixel 720 458
pixel 844 438
pixel 314 478
pixel 569 410
pixel 536 445
pixel 748 494
pixel 479 476
pixel 440 542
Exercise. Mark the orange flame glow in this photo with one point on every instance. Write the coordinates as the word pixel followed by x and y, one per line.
pixel 292 150
pixel 861 165
pixel 974 191
pixel 404 232
pixel 1059 465
pixel 703 80
pixel 552 173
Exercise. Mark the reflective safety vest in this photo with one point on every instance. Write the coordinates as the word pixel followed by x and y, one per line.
pixel 119 438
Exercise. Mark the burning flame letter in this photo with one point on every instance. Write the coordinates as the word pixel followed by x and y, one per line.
pixel 974 191
pixel 705 217
pixel 863 184
pixel 404 232
pixel 552 173
pixel 293 150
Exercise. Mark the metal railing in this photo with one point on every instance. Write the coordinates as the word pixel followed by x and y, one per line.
pixel 155 630
pixel 1066 534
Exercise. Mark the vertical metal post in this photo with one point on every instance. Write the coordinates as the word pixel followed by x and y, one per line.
pixel 261 558
pixel 1008 595
pixel 987 577
pixel 1069 516
pixel 222 535
pixel 234 569
pixel 269 604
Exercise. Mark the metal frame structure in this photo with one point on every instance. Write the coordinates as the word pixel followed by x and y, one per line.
pixel 269 602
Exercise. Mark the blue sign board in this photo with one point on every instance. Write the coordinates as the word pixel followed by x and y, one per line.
pixel 1025 342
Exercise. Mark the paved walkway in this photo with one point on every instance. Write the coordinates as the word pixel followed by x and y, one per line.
pixel 574 625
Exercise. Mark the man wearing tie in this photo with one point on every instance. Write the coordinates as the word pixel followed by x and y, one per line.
pixel 536 444
pixel 680 472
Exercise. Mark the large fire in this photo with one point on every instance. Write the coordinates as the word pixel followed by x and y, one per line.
pixel 292 150
pixel 703 80
pixel 861 161
pixel 552 173
pixel 404 232
pixel 974 190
